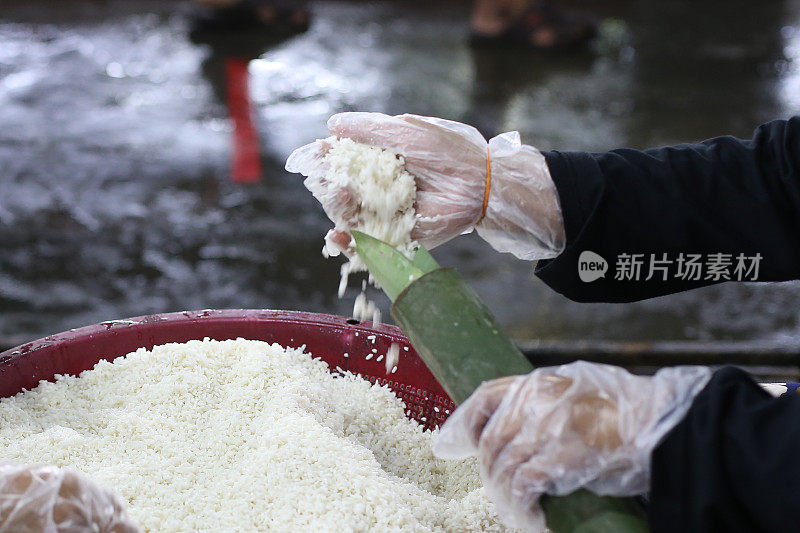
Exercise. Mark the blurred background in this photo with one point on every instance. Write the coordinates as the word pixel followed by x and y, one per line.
pixel 124 189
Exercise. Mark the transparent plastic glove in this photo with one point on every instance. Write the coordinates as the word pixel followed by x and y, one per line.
pixel 449 162
pixel 36 499
pixel 558 429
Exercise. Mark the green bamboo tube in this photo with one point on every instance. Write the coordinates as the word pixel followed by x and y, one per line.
pixel 462 344
pixel 455 333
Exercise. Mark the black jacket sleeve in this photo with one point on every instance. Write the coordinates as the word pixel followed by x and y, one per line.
pixel 720 196
pixel 732 464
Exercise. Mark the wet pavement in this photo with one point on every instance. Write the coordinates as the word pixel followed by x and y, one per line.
pixel 115 194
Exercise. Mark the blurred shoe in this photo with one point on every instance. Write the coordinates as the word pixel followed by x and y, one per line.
pixel 542 27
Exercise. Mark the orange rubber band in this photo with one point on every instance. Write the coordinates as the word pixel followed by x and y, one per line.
pixel 488 184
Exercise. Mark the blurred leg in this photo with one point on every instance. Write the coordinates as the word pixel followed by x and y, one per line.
pixel 490 17
pixel 216 3
pixel 530 23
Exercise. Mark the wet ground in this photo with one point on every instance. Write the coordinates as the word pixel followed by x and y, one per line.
pixel 115 195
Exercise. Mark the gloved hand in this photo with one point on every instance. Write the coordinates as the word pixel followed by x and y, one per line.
pixel 449 162
pixel 562 428
pixel 35 499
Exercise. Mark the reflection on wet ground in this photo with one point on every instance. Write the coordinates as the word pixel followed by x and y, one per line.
pixel 115 198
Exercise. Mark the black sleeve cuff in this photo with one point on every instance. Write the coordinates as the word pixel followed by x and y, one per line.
pixel 577 201
pixel 564 168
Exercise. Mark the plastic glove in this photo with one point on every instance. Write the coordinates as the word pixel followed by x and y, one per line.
pixel 35 499
pixel 449 162
pixel 562 428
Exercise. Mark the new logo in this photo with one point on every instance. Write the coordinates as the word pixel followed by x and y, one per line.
pixel 591 266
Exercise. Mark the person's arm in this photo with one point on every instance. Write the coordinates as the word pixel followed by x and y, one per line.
pixel 724 202
pixel 731 464
pixel 721 196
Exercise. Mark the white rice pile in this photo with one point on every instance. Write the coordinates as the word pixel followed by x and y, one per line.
pixel 384 193
pixel 245 436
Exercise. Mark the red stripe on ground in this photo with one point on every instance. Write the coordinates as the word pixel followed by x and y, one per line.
pixel 246 158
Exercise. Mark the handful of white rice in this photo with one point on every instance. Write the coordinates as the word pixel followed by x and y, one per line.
pixel 382 189
pixel 383 194
pixel 245 436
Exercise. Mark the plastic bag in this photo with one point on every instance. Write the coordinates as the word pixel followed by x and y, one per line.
pixel 558 429
pixel 44 498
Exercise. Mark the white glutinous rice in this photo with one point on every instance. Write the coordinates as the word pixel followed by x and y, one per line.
pixel 392 356
pixel 382 188
pixel 384 192
pixel 242 435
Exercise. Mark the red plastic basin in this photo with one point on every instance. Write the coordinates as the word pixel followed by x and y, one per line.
pixel 326 336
